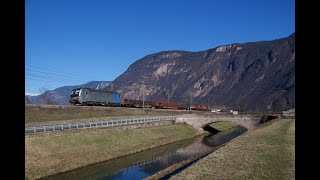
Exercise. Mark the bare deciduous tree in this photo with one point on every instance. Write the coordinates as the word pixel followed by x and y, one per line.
pixel 45 96
pixel 27 100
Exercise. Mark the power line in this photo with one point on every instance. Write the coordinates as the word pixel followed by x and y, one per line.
pixel 43 75
pixel 35 72
pixel 50 79
pixel 42 80
pixel 48 73
pixel 72 75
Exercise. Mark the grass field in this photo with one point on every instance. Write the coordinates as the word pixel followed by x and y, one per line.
pixel 37 114
pixel 47 154
pixel 265 153
pixel 222 126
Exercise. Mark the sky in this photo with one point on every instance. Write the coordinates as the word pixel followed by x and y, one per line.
pixel 72 42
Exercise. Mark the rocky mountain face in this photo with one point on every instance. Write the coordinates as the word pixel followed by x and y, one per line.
pixel 250 76
pixel 61 95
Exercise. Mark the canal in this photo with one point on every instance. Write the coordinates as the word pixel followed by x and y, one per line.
pixel 144 164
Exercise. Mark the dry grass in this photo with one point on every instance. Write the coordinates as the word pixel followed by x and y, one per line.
pixel 223 126
pixel 48 154
pixel 42 114
pixel 265 153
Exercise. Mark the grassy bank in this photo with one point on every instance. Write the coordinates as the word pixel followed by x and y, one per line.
pixel 265 153
pixel 47 113
pixel 108 168
pixel 47 154
pixel 223 126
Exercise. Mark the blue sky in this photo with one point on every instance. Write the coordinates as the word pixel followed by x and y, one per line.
pixel 72 42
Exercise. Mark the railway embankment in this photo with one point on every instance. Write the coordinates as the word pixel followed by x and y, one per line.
pixel 36 114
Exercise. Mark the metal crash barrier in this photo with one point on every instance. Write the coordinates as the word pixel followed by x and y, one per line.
pixel 95 124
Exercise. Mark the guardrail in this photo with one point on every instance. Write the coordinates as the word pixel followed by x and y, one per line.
pixel 95 124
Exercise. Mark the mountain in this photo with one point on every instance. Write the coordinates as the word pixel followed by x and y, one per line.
pixel 251 76
pixel 61 95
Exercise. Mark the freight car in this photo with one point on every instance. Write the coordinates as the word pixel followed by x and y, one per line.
pixel 88 96
pixel 138 103
pixel 200 107
pixel 158 104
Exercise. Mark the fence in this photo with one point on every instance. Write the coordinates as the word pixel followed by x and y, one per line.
pixel 102 123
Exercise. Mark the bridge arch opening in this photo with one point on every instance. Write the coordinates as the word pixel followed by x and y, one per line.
pixel 210 129
pixel 218 126
pixel 266 118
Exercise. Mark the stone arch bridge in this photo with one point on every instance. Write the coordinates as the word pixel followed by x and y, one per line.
pixel 200 122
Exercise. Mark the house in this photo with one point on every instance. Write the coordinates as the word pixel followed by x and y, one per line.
pixel 233 112
pixel 216 110
pixel 289 113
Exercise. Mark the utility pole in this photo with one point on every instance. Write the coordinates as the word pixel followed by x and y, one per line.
pixel 143 95
pixel 293 104
pixel 190 101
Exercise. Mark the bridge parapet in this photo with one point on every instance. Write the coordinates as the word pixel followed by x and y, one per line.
pixel 198 122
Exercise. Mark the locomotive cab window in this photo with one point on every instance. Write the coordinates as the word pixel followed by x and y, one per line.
pixel 75 93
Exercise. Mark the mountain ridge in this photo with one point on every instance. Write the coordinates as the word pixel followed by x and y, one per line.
pixel 218 73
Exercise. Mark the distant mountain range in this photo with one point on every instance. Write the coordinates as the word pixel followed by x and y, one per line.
pixel 61 95
pixel 251 76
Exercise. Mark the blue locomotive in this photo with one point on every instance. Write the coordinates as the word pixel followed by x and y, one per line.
pixel 88 96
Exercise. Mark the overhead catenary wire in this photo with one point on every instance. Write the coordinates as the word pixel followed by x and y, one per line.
pixel 45 77
pixel 50 77
pixel 53 72
pixel 37 76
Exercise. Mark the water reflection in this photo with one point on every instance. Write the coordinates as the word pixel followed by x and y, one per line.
pixel 146 163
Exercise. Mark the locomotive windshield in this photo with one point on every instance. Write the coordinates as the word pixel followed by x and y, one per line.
pixel 75 93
